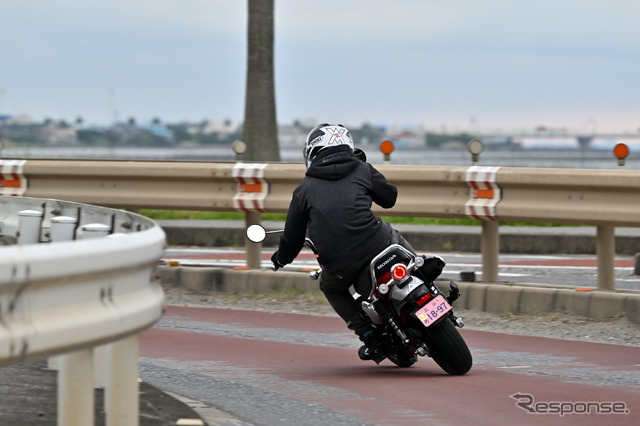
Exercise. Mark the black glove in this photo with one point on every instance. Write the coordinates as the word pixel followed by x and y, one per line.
pixel 276 264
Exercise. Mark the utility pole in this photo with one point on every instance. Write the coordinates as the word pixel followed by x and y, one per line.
pixel 260 129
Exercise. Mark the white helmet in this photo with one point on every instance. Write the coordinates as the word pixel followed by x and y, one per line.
pixel 325 136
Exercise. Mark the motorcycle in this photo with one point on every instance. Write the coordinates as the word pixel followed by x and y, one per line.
pixel 414 317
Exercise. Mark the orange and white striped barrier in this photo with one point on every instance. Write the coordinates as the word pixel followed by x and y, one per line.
pixel 252 187
pixel 13 181
pixel 485 193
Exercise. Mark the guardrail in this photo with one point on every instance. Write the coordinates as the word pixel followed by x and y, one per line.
pixel 133 184
pixel 601 198
pixel 64 292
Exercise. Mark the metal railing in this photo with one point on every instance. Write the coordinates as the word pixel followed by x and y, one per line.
pixel 601 198
pixel 77 285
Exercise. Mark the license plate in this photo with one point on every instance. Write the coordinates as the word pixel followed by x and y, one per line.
pixel 433 310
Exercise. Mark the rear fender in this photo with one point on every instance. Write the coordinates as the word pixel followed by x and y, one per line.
pixel 399 297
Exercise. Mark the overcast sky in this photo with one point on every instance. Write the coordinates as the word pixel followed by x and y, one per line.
pixel 435 63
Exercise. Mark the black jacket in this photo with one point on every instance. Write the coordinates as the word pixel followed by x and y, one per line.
pixel 333 205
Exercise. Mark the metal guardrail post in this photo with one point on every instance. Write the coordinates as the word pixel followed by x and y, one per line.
pixel 116 364
pixel 606 252
pixel 100 368
pixel 29 227
pixel 62 229
pixel 97 230
pixel 490 250
pixel 484 196
pixel 253 250
pixel 121 393
pixel 75 389
pixel 93 230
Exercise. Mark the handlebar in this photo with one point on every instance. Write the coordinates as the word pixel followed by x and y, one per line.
pixel 310 244
pixel 256 234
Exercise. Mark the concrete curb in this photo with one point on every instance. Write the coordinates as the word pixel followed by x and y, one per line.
pixel 498 298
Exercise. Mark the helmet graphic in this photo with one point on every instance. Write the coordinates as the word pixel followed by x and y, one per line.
pixel 325 136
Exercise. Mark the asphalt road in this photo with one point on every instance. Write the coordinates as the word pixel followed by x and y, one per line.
pixel 286 369
pixel 570 270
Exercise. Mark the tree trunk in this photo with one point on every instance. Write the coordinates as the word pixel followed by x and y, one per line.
pixel 260 130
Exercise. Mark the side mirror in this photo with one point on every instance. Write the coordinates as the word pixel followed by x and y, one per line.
pixel 256 233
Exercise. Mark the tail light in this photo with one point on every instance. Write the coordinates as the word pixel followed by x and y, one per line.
pixel 399 272
pixel 424 299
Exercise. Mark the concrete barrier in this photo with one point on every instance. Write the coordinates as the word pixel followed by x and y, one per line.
pixel 499 298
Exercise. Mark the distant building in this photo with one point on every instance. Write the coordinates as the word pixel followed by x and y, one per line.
pixel 291 136
pixel 158 129
pixel 221 127
pixel 20 119
pixel 407 139
pixel 56 134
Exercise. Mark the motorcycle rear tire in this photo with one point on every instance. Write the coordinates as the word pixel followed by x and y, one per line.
pixel 448 349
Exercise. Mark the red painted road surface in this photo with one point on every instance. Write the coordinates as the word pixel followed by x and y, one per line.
pixel 586 381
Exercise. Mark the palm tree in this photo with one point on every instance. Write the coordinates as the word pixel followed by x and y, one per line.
pixel 260 129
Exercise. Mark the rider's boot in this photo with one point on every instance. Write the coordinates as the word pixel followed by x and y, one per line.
pixel 373 348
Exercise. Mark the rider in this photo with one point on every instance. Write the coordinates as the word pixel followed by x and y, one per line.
pixel 333 205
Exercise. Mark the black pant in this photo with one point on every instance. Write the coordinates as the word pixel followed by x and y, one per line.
pixel 336 286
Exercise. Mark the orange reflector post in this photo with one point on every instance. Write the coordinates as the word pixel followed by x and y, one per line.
pixel 386 147
pixel 621 151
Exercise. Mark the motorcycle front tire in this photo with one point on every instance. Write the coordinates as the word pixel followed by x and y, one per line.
pixel 448 349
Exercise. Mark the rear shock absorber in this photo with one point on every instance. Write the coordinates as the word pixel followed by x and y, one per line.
pixel 386 317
